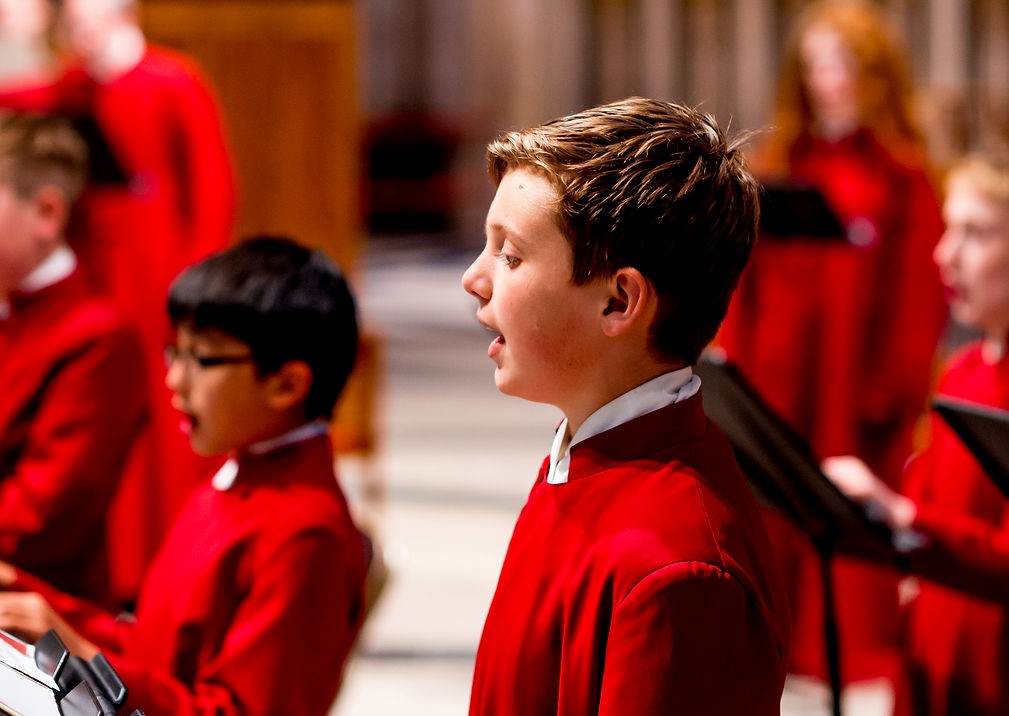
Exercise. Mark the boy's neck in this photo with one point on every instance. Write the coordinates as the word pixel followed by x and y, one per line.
pixel 617 384
pixel 124 51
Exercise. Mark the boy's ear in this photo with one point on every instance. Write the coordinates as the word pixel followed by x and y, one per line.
pixel 632 302
pixel 52 210
pixel 288 387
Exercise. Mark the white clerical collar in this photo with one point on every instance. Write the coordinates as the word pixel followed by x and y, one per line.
pixel 225 477
pixel 56 267
pixel 658 392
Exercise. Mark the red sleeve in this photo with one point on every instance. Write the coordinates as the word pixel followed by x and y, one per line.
pixel 84 425
pixel 963 552
pixel 284 649
pixel 67 91
pixel 689 639
pixel 918 472
pixel 205 177
pixel 42 98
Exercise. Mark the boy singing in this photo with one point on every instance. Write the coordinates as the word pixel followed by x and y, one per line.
pixel 638 579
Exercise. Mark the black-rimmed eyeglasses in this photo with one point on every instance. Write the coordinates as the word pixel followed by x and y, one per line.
pixel 173 354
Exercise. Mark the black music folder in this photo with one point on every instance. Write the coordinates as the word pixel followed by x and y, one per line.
pixel 783 471
pixel 784 474
pixel 795 210
pixel 985 432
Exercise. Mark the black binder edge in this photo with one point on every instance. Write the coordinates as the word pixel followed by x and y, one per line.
pixel 782 470
pixel 796 210
pixel 973 423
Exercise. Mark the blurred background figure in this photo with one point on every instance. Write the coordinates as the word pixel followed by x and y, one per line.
pixel 73 390
pixel 25 48
pixel 164 198
pixel 839 334
pixel 955 624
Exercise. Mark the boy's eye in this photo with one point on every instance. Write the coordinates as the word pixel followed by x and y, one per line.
pixel 975 233
pixel 510 261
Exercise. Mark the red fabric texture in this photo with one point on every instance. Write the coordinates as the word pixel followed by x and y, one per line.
pixel 839 338
pixel 643 585
pixel 73 405
pixel 253 602
pixel 161 122
pixel 957 635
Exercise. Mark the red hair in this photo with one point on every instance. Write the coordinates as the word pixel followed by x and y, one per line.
pixel 883 79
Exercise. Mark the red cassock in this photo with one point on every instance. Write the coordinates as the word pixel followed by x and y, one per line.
pixel 957 643
pixel 643 585
pixel 839 338
pixel 253 602
pixel 177 206
pixel 73 402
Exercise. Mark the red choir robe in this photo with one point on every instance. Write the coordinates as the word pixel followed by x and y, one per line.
pixel 643 585
pixel 839 338
pixel 73 403
pixel 253 602
pixel 956 628
pixel 178 205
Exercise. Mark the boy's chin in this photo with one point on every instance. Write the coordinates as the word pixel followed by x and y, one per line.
pixel 204 448
pixel 504 385
pixel 507 385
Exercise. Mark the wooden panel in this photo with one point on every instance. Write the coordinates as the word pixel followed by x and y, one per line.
pixel 285 74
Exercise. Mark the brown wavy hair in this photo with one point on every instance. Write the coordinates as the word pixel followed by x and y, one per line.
pixel 655 186
pixel 883 81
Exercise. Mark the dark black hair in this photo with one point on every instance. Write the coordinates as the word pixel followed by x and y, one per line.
pixel 285 301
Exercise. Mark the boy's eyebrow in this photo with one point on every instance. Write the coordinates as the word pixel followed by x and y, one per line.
pixel 502 228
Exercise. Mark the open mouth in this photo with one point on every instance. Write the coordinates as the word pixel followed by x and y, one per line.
pixel 187 423
pixel 495 345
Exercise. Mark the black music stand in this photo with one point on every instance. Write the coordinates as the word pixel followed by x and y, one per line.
pixel 790 210
pixel 985 432
pixel 784 474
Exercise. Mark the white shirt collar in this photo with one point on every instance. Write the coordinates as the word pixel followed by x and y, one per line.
pixel 658 392
pixel 56 267
pixel 225 477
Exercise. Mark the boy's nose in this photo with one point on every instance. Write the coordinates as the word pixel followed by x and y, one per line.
pixel 475 280
pixel 175 372
pixel 945 250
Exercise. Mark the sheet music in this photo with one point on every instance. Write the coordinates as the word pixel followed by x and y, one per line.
pixel 21 695
pixel 19 655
